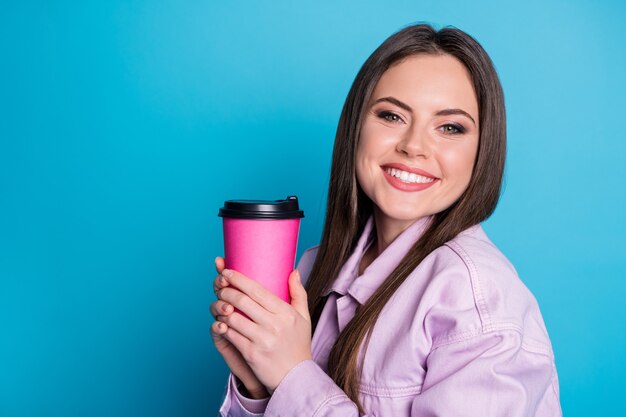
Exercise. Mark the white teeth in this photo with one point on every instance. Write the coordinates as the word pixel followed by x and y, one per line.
pixel 408 177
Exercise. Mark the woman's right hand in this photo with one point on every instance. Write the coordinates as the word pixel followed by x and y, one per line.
pixel 233 358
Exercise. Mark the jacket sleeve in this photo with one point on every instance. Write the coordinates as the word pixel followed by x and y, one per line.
pixel 486 375
pixel 492 374
pixel 307 391
pixel 237 405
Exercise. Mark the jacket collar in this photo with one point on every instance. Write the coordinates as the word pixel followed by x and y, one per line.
pixel 362 287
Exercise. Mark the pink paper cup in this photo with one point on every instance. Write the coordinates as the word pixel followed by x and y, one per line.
pixel 261 239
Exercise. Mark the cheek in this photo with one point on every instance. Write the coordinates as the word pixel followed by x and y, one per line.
pixel 458 162
pixel 366 154
pixel 362 174
pixel 369 154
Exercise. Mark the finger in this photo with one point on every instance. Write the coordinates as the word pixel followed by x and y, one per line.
pixel 217 330
pixel 246 305
pixel 254 290
pixel 220 307
pixel 238 340
pixel 219 264
pixel 218 283
pixel 298 294
pixel 242 325
pixel 236 361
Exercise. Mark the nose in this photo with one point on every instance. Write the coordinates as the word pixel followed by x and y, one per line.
pixel 415 143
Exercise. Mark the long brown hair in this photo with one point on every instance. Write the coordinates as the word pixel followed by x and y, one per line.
pixel 348 208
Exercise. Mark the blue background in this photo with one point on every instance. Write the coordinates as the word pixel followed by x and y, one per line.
pixel 125 124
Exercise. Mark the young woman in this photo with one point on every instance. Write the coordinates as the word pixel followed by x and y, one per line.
pixel 414 311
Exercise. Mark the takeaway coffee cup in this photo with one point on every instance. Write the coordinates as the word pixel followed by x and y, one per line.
pixel 260 240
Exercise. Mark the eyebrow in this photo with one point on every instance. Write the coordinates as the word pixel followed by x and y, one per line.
pixel 444 112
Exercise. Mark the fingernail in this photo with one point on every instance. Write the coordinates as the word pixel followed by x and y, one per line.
pixel 227 273
pixel 225 307
pixel 223 281
pixel 298 276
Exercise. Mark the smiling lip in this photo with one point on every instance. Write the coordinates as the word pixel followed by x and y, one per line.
pixel 403 167
pixel 403 186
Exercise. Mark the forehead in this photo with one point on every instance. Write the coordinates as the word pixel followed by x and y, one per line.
pixel 429 82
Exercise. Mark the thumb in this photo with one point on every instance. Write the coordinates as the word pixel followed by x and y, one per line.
pixel 298 294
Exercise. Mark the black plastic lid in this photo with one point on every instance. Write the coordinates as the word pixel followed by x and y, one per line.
pixel 262 209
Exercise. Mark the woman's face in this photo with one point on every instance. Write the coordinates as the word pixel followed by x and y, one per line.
pixel 419 138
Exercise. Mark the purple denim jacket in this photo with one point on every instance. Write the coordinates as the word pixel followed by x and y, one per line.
pixel 462 336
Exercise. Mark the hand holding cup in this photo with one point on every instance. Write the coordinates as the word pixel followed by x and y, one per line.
pixel 233 358
pixel 272 336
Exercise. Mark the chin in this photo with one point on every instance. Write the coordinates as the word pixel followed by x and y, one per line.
pixel 403 214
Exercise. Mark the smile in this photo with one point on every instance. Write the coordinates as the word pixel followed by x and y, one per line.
pixel 407 181
pixel 408 177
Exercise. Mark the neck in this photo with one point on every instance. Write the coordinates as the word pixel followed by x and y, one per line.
pixel 388 229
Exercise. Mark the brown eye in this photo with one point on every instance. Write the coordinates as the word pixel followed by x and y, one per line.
pixel 389 116
pixel 453 129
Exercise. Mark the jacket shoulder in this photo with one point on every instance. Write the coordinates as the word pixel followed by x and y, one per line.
pixel 502 300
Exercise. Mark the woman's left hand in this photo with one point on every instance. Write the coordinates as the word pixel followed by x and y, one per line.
pixel 277 336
